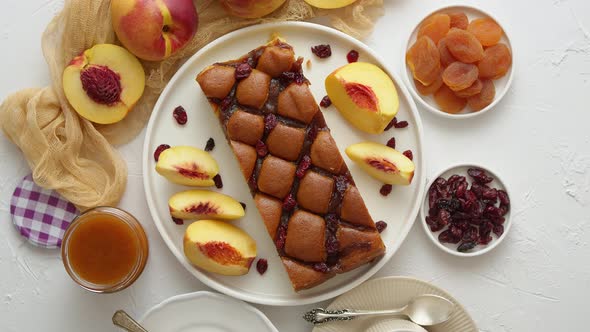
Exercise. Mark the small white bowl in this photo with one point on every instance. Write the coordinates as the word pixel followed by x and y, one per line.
pixel 395 325
pixel 461 169
pixel 502 85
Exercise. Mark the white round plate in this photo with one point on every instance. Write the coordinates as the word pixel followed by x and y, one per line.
pixel 205 312
pixel 461 169
pixel 399 209
pixel 502 85
pixel 390 293
pixel 394 325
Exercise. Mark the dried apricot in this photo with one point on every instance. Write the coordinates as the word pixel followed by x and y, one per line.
pixel 459 20
pixel 435 27
pixel 486 30
pixel 484 98
pixel 448 101
pixel 464 46
pixel 424 60
pixel 496 61
pixel 459 75
pixel 474 89
pixel 429 89
pixel 446 58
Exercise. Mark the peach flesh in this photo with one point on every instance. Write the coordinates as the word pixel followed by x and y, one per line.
pixel 362 95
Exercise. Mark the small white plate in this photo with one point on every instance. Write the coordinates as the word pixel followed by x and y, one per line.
pixel 399 209
pixel 461 169
pixel 502 85
pixel 395 325
pixel 205 312
pixel 390 293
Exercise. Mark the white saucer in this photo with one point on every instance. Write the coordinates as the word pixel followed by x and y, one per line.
pixel 205 312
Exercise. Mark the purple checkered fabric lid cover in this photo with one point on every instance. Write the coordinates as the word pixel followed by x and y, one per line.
pixel 40 215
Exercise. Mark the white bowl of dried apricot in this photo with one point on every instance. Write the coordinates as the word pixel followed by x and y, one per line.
pixel 459 62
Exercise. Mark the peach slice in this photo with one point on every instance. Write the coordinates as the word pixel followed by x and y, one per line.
pixel 103 83
pixel 187 166
pixel 382 162
pixel 219 247
pixel 364 94
pixel 330 4
pixel 204 204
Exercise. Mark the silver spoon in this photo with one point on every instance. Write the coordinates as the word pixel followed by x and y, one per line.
pixel 123 320
pixel 423 310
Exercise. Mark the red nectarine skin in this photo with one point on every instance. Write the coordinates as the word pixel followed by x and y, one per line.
pixel 171 21
pixel 203 208
pixel 384 165
pixel 192 171
pixel 362 95
pixel 221 252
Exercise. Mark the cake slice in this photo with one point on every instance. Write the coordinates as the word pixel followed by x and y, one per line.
pixel 302 188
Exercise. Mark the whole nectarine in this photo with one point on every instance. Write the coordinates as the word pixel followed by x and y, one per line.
pixel 154 29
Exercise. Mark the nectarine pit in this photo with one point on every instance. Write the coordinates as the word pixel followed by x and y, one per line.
pixel 222 253
pixel 101 84
pixel 384 165
pixel 362 95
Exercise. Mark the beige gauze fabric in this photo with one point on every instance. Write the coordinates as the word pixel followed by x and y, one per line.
pixel 76 157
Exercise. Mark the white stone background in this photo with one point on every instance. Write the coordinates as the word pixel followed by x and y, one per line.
pixel 537 138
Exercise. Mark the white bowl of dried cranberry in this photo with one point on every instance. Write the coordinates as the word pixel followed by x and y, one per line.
pixel 466 210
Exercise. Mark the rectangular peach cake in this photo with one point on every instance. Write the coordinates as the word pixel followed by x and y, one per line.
pixel 300 183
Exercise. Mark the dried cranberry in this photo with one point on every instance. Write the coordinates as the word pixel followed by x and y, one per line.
pixel 243 205
pixel 498 230
pixel 331 222
pixel 390 124
pixel 499 220
pixel 400 124
pixel 456 231
pixel 331 245
pixel 253 182
pixel 391 143
pixel 466 246
pixel 433 212
pixel 471 234
pixel 445 237
pixel 180 115
pixel 322 51
pixel 484 240
pixel 261 266
pixel 270 122
pixel 470 196
pixel 303 166
pixel 352 56
pixel 409 154
pixel 381 226
pixel 435 226
pixel 281 237
pixel 261 149
pixel 477 189
pixel 444 217
pixel 504 209
pixel 503 196
pixel 461 188
pixel 341 184
pixel 178 221
pixel 243 70
pixel 320 267
pixel 490 194
pixel 432 197
pixel 218 181
pixel 492 212
pixel 289 203
pixel 386 189
pixel 479 175
pixel 312 133
pixel 210 145
pixel 326 102
pixel 159 150
pixel 226 103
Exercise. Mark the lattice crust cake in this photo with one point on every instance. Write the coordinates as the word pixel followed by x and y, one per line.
pixel 300 183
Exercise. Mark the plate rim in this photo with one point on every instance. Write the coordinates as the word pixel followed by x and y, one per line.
pixel 199 294
pixel 421 168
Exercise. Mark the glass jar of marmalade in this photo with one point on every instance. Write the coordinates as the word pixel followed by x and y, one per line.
pixel 104 250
